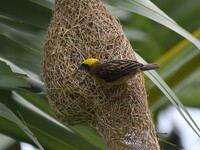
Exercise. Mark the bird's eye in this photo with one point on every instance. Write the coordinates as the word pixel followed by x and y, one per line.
pixel 84 67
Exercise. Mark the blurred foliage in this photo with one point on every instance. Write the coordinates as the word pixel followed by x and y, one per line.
pixel 23 24
pixel 158 39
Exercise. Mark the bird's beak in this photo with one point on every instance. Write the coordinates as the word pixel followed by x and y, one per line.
pixel 81 67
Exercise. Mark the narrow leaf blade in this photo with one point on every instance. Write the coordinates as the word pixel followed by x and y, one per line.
pixel 7 114
pixel 160 83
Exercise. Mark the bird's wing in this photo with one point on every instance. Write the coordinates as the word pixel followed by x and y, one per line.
pixel 113 70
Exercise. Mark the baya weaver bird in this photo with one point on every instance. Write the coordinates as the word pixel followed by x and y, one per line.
pixel 114 72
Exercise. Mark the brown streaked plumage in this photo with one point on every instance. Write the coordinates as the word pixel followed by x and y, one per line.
pixel 115 72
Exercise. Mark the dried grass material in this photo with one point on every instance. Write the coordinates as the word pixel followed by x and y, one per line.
pixel 80 29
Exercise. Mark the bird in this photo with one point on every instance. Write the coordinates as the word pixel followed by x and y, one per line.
pixel 114 72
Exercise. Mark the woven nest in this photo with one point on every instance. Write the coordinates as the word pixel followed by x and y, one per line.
pixel 82 29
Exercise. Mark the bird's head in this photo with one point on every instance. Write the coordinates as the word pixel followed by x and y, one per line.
pixel 88 63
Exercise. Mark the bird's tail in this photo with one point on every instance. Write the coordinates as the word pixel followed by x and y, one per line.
pixel 149 67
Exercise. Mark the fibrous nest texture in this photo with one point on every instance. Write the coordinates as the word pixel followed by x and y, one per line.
pixel 81 29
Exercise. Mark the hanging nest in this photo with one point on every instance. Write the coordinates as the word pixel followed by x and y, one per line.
pixel 78 30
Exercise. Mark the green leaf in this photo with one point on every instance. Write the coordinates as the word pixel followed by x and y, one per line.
pixel 38 100
pixel 27 12
pixel 9 79
pixel 91 135
pixel 23 26
pixel 160 83
pixel 61 137
pixel 49 132
pixel 45 3
pixel 6 113
pixel 180 69
pixel 18 47
pixel 148 9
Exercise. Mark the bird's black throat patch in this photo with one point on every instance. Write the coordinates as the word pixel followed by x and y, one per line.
pixel 84 67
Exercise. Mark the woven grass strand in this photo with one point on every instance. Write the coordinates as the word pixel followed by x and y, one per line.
pixel 81 29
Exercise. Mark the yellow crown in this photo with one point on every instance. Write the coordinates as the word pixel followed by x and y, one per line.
pixel 90 61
